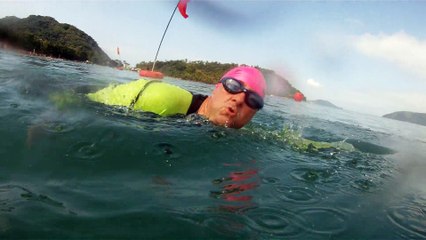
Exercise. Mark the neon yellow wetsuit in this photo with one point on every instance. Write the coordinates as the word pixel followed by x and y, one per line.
pixel 150 96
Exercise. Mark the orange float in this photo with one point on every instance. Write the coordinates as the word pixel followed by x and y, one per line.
pixel 151 74
pixel 298 97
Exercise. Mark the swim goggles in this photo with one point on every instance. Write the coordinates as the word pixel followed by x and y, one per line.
pixel 252 99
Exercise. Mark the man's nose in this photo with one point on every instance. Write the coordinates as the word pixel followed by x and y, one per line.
pixel 239 98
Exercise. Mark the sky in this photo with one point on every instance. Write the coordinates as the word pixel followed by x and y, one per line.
pixel 363 56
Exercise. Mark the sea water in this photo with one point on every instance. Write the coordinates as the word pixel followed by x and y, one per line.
pixel 73 169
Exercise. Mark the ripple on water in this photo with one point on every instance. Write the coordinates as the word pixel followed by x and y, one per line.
pixel 57 127
pixel 85 151
pixel 227 224
pixel 411 219
pixel 299 195
pixel 12 196
pixel 312 175
pixel 168 149
pixel 7 78
pixel 325 221
pixel 365 185
pixel 276 222
pixel 168 152
pixel 270 180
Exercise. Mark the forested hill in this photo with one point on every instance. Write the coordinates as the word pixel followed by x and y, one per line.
pixel 45 36
pixel 211 72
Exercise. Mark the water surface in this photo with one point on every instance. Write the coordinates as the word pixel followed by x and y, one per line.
pixel 73 169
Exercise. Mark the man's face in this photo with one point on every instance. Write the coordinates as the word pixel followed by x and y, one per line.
pixel 228 109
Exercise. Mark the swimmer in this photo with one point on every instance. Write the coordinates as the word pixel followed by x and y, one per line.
pixel 237 97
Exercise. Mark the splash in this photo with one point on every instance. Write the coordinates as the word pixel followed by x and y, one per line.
pixel 294 139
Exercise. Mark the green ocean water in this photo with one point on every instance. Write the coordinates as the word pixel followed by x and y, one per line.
pixel 72 169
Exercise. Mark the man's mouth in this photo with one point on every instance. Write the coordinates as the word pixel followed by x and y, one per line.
pixel 231 111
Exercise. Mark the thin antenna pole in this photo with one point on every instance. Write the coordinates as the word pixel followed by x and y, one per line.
pixel 162 38
pixel 119 56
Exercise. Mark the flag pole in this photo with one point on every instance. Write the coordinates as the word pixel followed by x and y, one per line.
pixel 162 38
pixel 119 56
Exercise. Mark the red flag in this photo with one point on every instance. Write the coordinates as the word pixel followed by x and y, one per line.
pixel 118 51
pixel 182 7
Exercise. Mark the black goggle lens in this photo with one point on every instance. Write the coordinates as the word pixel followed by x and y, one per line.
pixel 252 99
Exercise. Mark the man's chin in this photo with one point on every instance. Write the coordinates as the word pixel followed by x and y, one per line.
pixel 224 121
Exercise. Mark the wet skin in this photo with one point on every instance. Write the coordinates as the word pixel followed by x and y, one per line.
pixel 226 109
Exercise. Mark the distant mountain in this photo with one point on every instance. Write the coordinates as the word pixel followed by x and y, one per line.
pixel 45 36
pixel 278 85
pixel 412 117
pixel 324 103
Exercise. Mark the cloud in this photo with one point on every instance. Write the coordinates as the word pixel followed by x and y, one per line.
pixel 311 82
pixel 402 49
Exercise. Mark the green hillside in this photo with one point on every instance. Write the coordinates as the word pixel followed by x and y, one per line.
pixel 44 35
pixel 211 72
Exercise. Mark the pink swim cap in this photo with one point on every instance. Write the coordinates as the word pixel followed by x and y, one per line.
pixel 252 77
